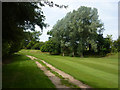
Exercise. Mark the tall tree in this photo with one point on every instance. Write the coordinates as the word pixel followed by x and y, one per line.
pixel 79 29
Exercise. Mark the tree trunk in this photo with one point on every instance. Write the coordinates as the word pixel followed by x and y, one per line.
pixel 63 53
pixel 81 55
pixel 73 54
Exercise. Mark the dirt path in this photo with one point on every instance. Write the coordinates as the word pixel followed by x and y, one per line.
pixel 31 57
pixel 55 79
pixel 67 76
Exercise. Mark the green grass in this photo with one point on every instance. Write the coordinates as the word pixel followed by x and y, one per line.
pixel 96 72
pixel 24 73
pixel 63 80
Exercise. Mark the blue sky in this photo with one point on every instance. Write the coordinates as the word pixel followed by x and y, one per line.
pixel 107 11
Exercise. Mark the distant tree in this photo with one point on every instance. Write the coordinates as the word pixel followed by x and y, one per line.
pixel 78 30
pixel 50 46
pixel 107 47
pixel 118 41
pixel 38 45
pixel 104 45
pixel 30 45
pixel 30 39
pixel 117 44
pixel 109 37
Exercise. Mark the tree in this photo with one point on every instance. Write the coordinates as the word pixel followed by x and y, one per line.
pixel 38 45
pixel 50 46
pixel 78 30
pixel 17 18
pixel 109 37
pixel 104 44
pixel 118 41
pixel 117 44
pixel 30 39
pixel 15 23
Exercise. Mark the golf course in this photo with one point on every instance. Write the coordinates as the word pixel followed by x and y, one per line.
pixel 58 44
pixel 95 72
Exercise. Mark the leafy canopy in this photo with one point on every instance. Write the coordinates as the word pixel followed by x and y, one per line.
pixel 78 30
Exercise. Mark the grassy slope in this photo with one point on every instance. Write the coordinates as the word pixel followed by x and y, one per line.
pixel 96 72
pixel 24 73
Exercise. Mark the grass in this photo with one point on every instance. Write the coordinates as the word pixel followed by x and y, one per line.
pixel 96 72
pixel 63 80
pixel 24 73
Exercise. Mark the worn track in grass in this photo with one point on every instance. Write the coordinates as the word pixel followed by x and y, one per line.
pixel 56 80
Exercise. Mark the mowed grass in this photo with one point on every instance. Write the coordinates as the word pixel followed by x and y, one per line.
pixel 24 73
pixel 96 72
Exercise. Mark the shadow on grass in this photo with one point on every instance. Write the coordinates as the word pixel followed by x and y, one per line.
pixel 24 73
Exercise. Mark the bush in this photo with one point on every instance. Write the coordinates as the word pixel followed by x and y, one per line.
pixel 51 47
pixel 8 48
pixel 38 45
pixel 30 45
pixel 44 48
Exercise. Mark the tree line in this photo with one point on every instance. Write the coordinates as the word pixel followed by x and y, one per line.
pixel 79 33
pixel 55 48
pixel 17 18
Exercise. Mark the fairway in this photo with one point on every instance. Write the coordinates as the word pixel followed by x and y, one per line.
pixel 96 72
pixel 24 73
pixel 60 44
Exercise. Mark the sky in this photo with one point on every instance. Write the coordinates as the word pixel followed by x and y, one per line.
pixel 107 11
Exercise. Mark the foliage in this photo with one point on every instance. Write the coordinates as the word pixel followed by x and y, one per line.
pixel 51 47
pixel 116 45
pixel 103 45
pixel 78 31
pixel 38 45
pixel 118 42
pixel 52 4
pixel 31 38
pixel 14 23
pixel 30 45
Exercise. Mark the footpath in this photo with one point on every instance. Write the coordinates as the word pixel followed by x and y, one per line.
pixel 57 76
